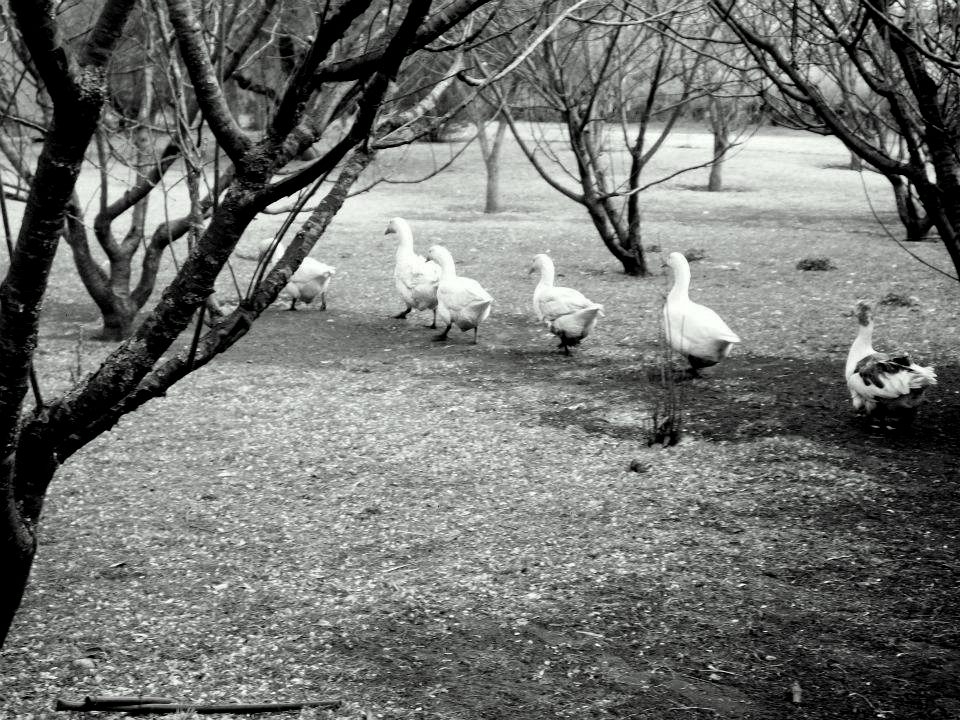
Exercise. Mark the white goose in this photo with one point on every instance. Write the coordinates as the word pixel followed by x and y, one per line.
pixel 416 277
pixel 693 330
pixel 310 279
pixel 461 301
pixel 565 311
pixel 882 384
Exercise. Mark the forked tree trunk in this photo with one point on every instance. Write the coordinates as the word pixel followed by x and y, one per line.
pixel 490 150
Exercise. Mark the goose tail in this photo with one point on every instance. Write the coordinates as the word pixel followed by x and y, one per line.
pixel 577 324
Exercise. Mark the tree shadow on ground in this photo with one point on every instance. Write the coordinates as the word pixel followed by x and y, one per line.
pixel 745 398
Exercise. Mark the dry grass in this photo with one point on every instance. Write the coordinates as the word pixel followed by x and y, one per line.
pixel 341 507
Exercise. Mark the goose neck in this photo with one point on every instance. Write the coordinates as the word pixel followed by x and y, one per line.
pixel 447 267
pixel 681 282
pixel 547 275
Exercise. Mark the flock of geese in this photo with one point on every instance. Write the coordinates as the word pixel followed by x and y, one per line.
pixel 884 387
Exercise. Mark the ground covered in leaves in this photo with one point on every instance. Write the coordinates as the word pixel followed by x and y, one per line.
pixel 343 508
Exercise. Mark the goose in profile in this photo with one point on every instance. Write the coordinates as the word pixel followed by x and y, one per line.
pixel 693 330
pixel 565 311
pixel 461 301
pixel 308 282
pixel 416 277
pixel 883 385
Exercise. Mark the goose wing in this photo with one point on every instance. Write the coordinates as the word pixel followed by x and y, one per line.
pixel 461 292
pixel 556 302
pixel 577 324
pixel 417 276
pixel 880 377
pixel 311 269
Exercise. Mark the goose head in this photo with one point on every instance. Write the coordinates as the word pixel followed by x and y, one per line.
pixel 863 313
pixel 541 264
pixel 677 262
pixel 442 257
pixel 397 226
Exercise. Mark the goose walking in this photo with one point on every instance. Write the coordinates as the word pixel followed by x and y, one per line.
pixel 883 385
pixel 308 282
pixel 565 311
pixel 416 277
pixel 461 301
pixel 693 330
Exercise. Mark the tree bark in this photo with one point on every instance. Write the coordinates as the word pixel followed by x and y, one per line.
pixel 491 160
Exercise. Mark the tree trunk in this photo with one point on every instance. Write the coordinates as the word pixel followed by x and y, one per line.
pixel 491 160
pixel 117 322
pixel 19 517
pixel 627 249
pixel 721 143
pixel 492 204
pixel 917 223
pixel 715 182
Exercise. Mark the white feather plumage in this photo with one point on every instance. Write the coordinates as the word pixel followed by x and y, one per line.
pixel 308 282
pixel 415 277
pixel 693 330
pixel 880 383
pixel 461 301
pixel 566 312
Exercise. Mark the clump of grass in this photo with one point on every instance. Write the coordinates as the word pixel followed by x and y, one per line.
pixel 896 298
pixel 654 248
pixel 664 427
pixel 816 263
pixel 695 254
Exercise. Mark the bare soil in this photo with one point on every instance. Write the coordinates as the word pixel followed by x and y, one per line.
pixel 343 507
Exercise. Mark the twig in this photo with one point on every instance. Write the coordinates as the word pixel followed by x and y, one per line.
pixel 166 706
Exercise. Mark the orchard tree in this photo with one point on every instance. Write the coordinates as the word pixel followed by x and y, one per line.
pixel 618 80
pixel 36 439
pixel 883 76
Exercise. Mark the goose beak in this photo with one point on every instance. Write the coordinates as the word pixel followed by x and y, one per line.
pixel 532 270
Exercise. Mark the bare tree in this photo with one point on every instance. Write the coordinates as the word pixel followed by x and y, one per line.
pixel 36 440
pixel 484 113
pixel 894 65
pixel 618 81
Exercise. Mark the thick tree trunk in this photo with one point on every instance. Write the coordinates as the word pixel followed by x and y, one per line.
pixel 721 143
pixel 492 203
pixel 720 147
pixel 22 504
pixel 917 223
pixel 18 547
pixel 627 249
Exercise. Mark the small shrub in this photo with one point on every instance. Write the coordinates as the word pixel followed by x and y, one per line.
pixel 695 254
pixel 896 298
pixel 816 263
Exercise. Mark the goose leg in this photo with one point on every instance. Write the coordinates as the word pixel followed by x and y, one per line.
pixel 293 304
pixel 443 336
pixel 402 315
pixel 475 331
pixel 323 301
pixel 433 326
